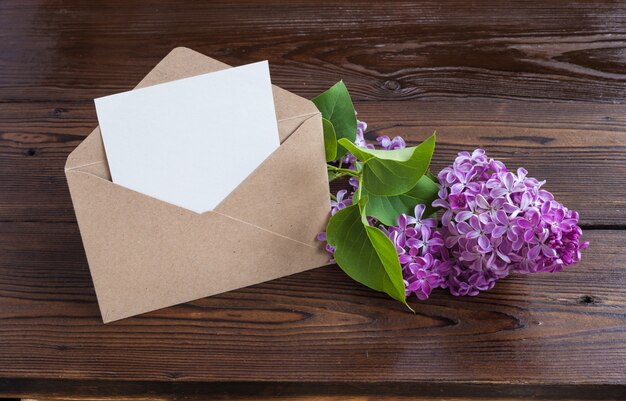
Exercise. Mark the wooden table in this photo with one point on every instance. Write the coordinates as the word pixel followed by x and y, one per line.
pixel 540 85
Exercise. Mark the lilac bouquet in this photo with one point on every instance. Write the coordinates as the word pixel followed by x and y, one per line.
pixel 384 231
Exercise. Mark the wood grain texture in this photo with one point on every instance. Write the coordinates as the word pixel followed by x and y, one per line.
pixel 314 326
pixel 537 84
pixel 546 51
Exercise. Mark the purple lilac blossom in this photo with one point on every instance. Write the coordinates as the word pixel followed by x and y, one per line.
pixel 390 144
pixel 348 160
pixel 419 245
pixel 495 222
pixel 340 201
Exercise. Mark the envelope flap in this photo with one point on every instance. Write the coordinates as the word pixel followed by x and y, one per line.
pixel 291 109
pixel 90 151
pixel 290 183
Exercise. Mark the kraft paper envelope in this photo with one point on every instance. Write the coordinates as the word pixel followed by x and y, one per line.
pixel 145 254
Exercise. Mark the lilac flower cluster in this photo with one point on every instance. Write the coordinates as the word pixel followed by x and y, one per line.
pixel 495 222
pixel 419 245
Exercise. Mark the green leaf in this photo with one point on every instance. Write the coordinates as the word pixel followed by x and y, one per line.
pixel 431 176
pixel 330 140
pixel 336 106
pixel 388 208
pixel 364 252
pixel 392 172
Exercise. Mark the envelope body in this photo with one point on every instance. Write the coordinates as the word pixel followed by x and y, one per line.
pixel 145 254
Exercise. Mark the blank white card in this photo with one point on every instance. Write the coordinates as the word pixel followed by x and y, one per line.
pixel 191 142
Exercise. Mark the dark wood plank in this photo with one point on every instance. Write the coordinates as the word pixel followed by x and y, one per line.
pixel 317 326
pixel 378 397
pixel 103 390
pixel 545 51
pixel 579 148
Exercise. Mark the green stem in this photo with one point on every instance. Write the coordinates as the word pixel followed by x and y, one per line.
pixel 333 197
pixel 345 171
pixel 337 176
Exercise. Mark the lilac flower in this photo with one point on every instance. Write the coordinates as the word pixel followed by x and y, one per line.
pixel 406 255
pixel 349 159
pixel 390 144
pixel 421 281
pixel 418 245
pixel 418 221
pixel 340 203
pixel 361 126
pixel 425 242
pixel 497 222
pixel 405 229
pixel 501 224
pixel 506 185
pixel 322 237
pixel 475 230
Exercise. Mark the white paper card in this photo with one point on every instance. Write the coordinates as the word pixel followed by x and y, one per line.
pixel 192 141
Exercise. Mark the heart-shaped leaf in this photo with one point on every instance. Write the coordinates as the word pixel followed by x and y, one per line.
pixel 364 252
pixel 392 172
pixel 330 140
pixel 336 107
pixel 388 208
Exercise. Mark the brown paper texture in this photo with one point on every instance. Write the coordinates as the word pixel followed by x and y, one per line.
pixel 145 254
